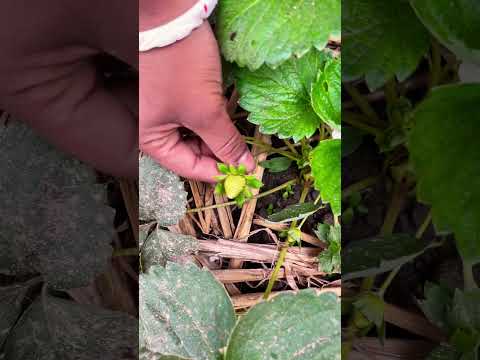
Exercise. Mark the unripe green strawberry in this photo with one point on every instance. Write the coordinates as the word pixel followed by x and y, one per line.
pixel 234 185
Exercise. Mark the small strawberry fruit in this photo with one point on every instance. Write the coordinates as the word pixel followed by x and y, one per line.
pixel 234 185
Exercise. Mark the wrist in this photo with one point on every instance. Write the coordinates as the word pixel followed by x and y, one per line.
pixel 153 13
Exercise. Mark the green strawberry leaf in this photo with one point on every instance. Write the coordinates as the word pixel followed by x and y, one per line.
pixel 279 100
pixel 53 328
pixel 294 212
pixel 311 323
pixel 467 341
pixel 256 32
pixel 162 245
pixel 53 216
pixel 460 32
pixel 277 164
pixel 436 305
pixel 184 313
pixel 377 255
pixel 329 260
pixel 381 40
pixel 373 308
pixel 162 195
pixel 351 140
pixel 12 301
pixel 326 94
pixel 325 161
pixel 444 352
pixel 444 151
pixel 465 312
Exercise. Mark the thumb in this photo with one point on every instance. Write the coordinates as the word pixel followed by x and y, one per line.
pixel 225 141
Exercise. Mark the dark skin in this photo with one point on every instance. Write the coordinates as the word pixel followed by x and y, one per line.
pixel 188 76
pixel 49 80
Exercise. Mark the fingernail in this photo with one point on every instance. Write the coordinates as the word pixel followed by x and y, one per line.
pixel 248 160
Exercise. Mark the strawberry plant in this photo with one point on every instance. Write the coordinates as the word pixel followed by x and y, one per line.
pixel 420 122
pixel 235 183
pixel 46 256
pixel 281 63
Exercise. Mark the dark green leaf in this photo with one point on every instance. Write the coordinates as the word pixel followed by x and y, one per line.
pixel 311 325
pixel 466 341
pixel 12 301
pixel 277 164
pixel 382 39
pixel 352 138
pixel 294 212
pixel 368 257
pixel 184 313
pixel 458 32
pixel 444 352
pixel 53 216
pixel 256 32
pixel 444 151
pixel 57 329
pixel 436 305
pixel 372 307
pixel 465 311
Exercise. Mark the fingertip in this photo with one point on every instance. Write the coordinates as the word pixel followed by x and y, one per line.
pixel 248 160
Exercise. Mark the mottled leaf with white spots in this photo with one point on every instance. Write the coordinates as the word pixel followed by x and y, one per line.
pixel 303 326
pixel 184 314
pixel 162 194
pixel 162 245
pixel 56 329
pixel 12 300
pixel 53 216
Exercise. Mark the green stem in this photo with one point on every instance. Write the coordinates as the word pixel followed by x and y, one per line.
pixel 393 211
pixel 278 266
pixel 358 121
pixel 271 149
pixel 418 235
pixel 391 95
pixel 230 203
pixel 125 252
pixel 364 105
pixel 424 226
pixel 388 281
pixel 359 186
pixel 284 250
pixel 290 146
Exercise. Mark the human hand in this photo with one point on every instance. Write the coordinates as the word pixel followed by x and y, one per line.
pixel 48 78
pixel 181 87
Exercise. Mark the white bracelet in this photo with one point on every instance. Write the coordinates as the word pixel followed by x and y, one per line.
pixel 176 29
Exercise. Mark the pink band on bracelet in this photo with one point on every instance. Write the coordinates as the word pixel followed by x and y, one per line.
pixel 176 29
